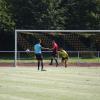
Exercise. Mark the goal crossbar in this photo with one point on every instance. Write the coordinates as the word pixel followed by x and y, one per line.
pixel 57 31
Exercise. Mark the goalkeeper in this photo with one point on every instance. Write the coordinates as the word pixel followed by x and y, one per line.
pixel 64 55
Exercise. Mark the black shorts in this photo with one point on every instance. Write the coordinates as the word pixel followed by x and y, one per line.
pixel 54 54
pixel 64 58
pixel 39 56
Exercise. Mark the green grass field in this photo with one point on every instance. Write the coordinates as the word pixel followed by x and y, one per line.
pixel 72 83
pixel 71 60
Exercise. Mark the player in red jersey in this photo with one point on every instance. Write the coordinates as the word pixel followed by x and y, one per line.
pixel 54 53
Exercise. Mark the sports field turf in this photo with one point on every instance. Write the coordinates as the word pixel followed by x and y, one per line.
pixel 72 60
pixel 72 83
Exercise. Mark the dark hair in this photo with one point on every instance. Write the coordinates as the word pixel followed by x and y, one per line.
pixel 38 40
pixel 53 41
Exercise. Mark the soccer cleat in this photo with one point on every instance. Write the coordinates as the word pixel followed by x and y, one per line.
pixel 57 65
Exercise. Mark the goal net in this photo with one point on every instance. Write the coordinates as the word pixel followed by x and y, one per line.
pixel 83 46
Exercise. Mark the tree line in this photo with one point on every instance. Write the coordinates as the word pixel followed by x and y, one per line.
pixel 49 14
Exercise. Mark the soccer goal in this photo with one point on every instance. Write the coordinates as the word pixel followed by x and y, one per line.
pixel 80 45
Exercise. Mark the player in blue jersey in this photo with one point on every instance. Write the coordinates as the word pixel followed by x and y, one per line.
pixel 38 53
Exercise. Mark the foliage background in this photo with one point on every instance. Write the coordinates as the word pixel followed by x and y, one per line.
pixel 48 14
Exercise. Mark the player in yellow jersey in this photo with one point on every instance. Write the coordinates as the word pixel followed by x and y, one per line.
pixel 64 55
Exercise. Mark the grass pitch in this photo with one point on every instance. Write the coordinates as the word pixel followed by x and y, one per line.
pixel 72 83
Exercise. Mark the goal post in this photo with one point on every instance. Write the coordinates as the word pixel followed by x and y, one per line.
pixel 47 31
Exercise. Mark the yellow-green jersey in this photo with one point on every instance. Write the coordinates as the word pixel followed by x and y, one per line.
pixel 63 54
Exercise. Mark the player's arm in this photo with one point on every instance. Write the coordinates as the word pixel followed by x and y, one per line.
pixel 52 48
pixel 67 55
pixel 45 48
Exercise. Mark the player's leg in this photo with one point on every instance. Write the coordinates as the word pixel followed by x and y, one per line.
pixel 51 62
pixel 38 64
pixel 38 61
pixel 62 62
pixel 39 58
pixel 56 60
pixel 52 57
pixel 65 61
pixel 42 65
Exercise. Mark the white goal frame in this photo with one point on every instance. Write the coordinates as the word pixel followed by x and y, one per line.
pixel 63 31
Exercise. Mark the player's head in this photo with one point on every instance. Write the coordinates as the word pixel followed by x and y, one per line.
pixel 38 40
pixel 53 41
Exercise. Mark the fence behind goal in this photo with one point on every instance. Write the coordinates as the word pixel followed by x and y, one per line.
pixel 27 58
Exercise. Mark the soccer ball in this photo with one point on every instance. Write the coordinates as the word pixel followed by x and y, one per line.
pixel 27 50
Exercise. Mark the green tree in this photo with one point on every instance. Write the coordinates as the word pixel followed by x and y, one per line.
pixel 82 14
pixel 37 14
pixel 53 17
pixel 49 14
pixel 6 22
